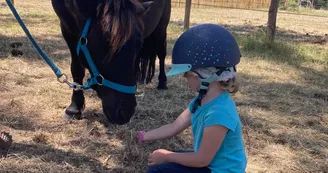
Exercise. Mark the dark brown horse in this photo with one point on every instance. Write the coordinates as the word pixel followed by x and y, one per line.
pixel 154 44
pixel 114 40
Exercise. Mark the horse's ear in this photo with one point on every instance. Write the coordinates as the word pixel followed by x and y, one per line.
pixel 146 6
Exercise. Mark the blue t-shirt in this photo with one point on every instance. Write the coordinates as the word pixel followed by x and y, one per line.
pixel 231 156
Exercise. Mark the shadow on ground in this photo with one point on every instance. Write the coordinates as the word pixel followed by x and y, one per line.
pixel 58 157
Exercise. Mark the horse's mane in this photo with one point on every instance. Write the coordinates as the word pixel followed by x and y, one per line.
pixel 118 21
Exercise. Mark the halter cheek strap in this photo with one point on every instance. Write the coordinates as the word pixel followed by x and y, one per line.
pixel 97 78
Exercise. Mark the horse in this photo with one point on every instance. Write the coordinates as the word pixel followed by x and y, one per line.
pixel 113 32
pixel 154 45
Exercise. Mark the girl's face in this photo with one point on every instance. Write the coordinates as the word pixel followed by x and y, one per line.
pixel 192 80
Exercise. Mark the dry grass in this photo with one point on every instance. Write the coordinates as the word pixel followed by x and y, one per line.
pixel 282 104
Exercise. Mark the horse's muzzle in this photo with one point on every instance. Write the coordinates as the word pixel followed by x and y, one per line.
pixel 121 114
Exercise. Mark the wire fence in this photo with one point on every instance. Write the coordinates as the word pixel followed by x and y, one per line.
pixel 254 4
pixel 242 4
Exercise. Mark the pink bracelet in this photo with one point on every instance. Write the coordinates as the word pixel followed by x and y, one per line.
pixel 141 135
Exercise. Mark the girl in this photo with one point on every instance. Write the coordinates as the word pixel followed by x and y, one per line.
pixel 207 56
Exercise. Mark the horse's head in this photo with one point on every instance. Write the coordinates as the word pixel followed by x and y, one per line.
pixel 114 40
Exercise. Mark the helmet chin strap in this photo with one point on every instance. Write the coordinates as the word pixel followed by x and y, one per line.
pixel 204 84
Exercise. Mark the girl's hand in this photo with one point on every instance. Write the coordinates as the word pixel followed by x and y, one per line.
pixel 158 157
pixel 140 136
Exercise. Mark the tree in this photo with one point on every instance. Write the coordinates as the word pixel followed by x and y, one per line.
pixel 187 14
pixel 272 18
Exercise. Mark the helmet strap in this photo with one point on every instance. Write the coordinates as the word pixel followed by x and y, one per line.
pixel 198 101
pixel 204 84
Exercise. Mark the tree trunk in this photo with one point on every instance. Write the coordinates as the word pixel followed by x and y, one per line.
pixel 272 18
pixel 187 14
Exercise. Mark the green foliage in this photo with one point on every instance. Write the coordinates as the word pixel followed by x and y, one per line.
pixel 291 5
pixel 256 46
pixel 322 4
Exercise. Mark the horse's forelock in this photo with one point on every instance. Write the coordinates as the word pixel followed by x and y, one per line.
pixel 119 18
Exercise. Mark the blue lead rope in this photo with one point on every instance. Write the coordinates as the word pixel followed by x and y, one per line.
pixel 97 78
pixel 54 68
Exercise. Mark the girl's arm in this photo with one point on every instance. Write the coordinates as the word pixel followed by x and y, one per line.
pixel 181 123
pixel 211 142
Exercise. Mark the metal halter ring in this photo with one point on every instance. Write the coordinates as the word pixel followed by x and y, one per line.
pixel 102 79
pixel 62 79
pixel 84 41
pixel 76 86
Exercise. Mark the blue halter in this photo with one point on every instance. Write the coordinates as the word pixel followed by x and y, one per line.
pixel 97 78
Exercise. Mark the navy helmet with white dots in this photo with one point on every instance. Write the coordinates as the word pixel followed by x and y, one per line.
pixel 204 45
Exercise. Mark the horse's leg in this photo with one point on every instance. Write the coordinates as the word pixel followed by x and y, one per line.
pixel 144 60
pixel 151 66
pixel 161 51
pixel 152 54
pixel 78 72
pixel 161 45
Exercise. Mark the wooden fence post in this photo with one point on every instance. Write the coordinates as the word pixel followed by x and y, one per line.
pixel 272 18
pixel 187 14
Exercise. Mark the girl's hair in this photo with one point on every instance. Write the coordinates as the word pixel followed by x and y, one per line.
pixel 231 85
